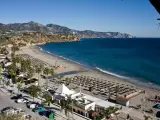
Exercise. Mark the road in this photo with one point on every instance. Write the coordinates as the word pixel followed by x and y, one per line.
pixel 5 101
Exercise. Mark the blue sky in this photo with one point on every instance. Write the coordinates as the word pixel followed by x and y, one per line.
pixel 136 17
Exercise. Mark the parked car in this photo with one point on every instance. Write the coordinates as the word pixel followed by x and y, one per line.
pixel 11 110
pixel 16 97
pixel 6 108
pixel 19 110
pixel 46 113
pixel 157 106
pixel 32 105
pixel 157 116
pixel 39 109
pixel 21 100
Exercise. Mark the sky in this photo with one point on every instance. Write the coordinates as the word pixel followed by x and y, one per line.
pixel 136 17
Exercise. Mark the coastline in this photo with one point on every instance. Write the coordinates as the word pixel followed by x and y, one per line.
pixel 137 82
pixel 35 51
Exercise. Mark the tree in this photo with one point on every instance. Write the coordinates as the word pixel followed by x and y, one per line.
pixel 3 80
pixel 21 79
pixel 30 72
pixel 14 49
pixel 0 73
pixel 48 99
pixel 66 105
pixel 46 71
pixel 12 70
pixel 59 79
pixel 12 55
pixel 110 110
pixel 19 86
pixel 28 63
pixel 52 71
pixel 25 65
pixel 34 90
pixel 8 83
pixel 38 70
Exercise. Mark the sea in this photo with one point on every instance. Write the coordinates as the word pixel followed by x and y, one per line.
pixel 134 59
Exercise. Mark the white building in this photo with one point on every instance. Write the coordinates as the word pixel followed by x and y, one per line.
pixel 62 92
pixel 84 103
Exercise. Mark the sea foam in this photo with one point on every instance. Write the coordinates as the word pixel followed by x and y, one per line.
pixel 110 73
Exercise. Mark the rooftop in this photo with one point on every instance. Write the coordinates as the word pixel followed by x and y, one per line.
pixel 99 102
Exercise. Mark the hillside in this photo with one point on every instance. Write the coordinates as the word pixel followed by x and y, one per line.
pixel 27 38
pixel 57 29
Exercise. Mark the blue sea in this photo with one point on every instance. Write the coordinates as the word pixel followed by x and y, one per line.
pixel 134 58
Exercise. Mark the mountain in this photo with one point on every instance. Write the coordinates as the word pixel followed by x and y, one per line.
pixel 57 29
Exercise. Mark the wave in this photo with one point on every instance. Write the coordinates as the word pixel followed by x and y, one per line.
pixel 40 48
pixel 110 73
pixel 131 80
pixel 61 57
pixel 44 50
pixel 71 60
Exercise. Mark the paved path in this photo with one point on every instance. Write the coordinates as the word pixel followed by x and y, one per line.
pixel 58 114
pixel 5 101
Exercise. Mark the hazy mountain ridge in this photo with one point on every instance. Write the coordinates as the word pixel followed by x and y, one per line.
pixel 56 29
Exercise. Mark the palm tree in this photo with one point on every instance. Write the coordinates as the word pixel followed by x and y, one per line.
pixel 3 80
pixel 38 70
pixel 19 86
pixel 48 99
pixel 34 91
pixel 12 55
pixel 12 72
pixel 52 71
pixel 14 49
pixel 66 105
pixel 0 73
pixel 46 71
pixel 59 78
pixel 23 66
pixel 8 83
pixel 30 72
pixel 28 63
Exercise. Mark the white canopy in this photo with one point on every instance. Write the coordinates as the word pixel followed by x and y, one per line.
pixel 63 90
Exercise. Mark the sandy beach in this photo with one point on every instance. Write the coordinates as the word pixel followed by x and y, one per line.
pixel 71 66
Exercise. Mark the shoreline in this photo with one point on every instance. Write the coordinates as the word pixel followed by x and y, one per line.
pixel 137 82
pixel 90 72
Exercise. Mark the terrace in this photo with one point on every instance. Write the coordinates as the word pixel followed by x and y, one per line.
pixel 84 103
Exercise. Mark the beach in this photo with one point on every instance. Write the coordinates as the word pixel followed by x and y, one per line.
pixel 72 69
pixel 70 66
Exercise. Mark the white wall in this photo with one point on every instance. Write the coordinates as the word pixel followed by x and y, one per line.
pixel 74 95
pixel 91 105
